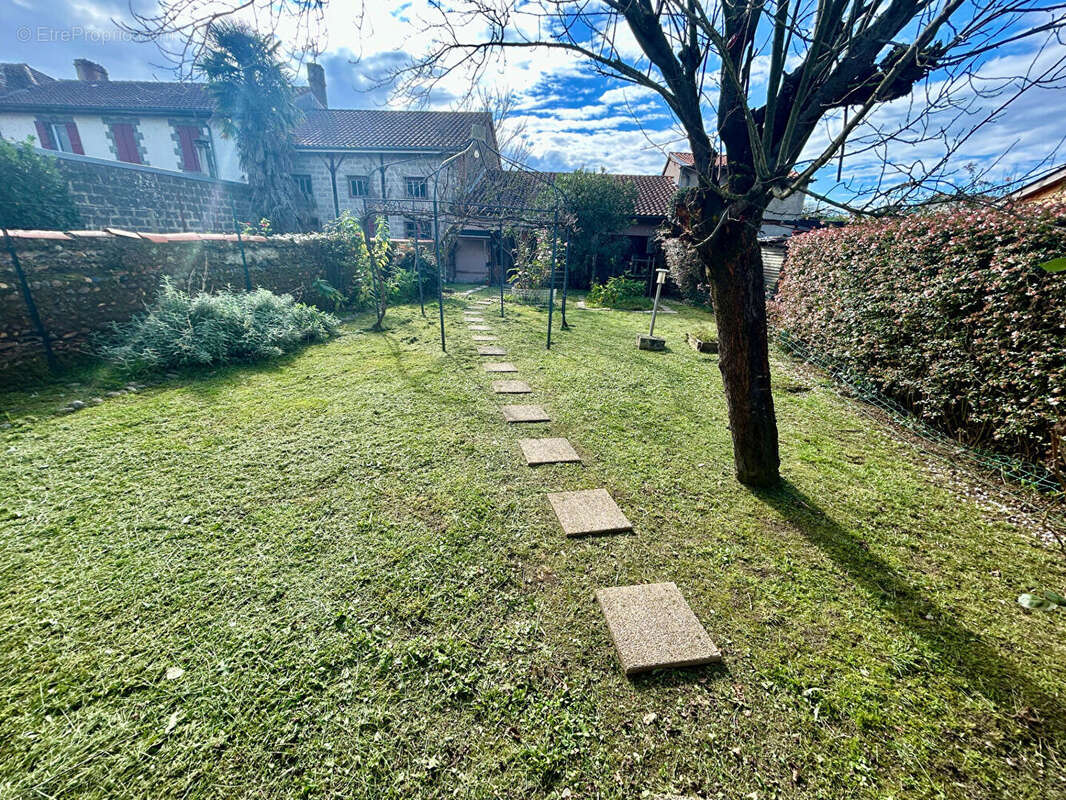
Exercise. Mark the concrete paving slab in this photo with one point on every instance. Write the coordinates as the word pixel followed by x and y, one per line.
pixel 524 414
pixel 473 318
pixel 478 328
pixel 501 366
pixel 511 387
pixel 491 351
pixel 484 338
pixel 588 512
pixel 653 627
pixel 548 451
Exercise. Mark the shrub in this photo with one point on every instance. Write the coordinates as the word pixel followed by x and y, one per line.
pixel 619 292
pixel 35 194
pixel 950 314
pixel 180 330
pixel 685 271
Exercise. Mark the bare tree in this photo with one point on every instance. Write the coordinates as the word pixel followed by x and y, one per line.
pixel 512 134
pixel 819 60
pixel 777 87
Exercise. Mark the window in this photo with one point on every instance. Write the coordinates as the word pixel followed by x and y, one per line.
pixel 358 185
pixel 420 228
pixel 61 136
pixel 416 187
pixel 303 183
pixel 124 135
pixel 196 155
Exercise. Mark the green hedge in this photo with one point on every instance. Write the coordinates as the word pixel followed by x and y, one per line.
pixel 948 313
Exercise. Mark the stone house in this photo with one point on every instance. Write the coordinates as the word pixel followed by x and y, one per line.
pixel 363 161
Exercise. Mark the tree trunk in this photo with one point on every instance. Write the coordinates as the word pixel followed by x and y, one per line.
pixel 734 263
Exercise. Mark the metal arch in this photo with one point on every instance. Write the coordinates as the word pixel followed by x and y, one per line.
pixel 521 212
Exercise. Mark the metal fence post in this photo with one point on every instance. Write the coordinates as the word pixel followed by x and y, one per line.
pixel 499 254
pixel 551 281
pixel 240 243
pixel 440 274
pixel 418 277
pixel 566 280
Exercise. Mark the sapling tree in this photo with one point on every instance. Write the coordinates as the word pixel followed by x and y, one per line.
pixel 598 208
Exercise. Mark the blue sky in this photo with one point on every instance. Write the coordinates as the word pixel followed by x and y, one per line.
pixel 570 117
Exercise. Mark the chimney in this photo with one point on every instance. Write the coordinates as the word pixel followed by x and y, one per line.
pixel 316 79
pixel 89 71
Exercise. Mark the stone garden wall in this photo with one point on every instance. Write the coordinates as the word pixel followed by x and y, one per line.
pixel 83 280
pixel 138 197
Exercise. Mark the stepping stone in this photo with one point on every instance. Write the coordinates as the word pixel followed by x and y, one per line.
pixel 484 338
pixel 524 414
pixel 491 351
pixel 548 451
pixel 587 512
pixel 485 302
pixel 654 628
pixel 472 318
pixel 500 367
pixel 511 387
pixel 478 328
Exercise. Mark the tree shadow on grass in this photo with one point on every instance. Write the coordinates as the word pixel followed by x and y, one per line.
pixel 958 648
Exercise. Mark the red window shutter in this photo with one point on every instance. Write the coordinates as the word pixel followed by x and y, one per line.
pixel 125 143
pixel 75 138
pixel 187 135
pixel 44 136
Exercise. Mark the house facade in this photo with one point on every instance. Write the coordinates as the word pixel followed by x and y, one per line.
pixel 358 160
pixel 782 217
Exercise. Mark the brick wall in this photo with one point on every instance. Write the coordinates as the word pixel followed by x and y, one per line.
pixel 136 197
pixel 84 280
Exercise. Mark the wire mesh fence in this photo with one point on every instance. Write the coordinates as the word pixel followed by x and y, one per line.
pixel 1011 470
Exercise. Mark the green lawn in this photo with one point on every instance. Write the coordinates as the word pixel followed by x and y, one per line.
pixel 370 597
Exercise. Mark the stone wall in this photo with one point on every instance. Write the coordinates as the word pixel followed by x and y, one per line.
pixel 82 281
pixel 136 197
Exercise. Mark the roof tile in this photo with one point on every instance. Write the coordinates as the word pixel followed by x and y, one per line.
pixel 376 128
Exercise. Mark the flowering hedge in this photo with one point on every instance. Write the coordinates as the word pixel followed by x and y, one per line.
pixel 948 313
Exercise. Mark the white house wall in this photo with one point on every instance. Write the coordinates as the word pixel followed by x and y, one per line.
pixel 156 140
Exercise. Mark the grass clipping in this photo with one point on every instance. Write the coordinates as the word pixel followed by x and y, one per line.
pixel 215 328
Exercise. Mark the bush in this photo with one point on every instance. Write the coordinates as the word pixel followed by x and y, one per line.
pixel 405 280
pixel 685 270
pixel 35 194
pixel 619 292
pixel 219 328
pixel 950 314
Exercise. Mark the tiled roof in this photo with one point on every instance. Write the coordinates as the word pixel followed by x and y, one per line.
pixel 111 96
pixel 686 159
pixel 364 129
pixel 655 194
pixel 20 76
pixel 328 128
pixel 514 187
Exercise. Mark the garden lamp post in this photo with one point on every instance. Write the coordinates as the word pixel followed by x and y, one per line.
pixel 651 341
